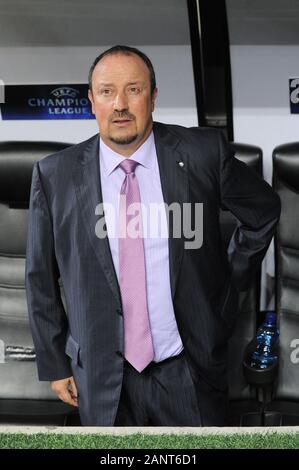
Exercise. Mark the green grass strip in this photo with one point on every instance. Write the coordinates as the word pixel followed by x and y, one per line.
pixel 145 441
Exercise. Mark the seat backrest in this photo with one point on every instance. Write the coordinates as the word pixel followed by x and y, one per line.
pixel 286 184
pixel 18 368
pixel 249 300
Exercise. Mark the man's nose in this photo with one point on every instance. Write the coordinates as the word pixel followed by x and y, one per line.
pixel 120 102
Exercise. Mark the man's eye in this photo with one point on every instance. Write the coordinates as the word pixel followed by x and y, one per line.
pixel 135 90
pixel 106 91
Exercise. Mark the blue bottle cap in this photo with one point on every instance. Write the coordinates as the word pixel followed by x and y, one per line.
pixel 271 317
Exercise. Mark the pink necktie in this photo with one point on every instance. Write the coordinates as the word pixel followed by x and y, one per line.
pixel 138 347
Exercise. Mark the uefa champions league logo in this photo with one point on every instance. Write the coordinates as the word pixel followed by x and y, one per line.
pixel 62 100
pixel 65 91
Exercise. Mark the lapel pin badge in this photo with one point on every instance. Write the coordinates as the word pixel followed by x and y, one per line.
pixel 181 164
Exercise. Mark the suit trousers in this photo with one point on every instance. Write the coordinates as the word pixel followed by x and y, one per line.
pixel 167 393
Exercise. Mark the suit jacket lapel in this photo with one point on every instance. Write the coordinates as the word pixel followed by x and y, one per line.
pixel 173 166
pixel 89 194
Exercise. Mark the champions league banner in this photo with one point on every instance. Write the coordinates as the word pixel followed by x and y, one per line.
pixel 28 102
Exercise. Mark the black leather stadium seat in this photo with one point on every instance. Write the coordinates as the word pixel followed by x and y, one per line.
pixel 284 409
pixel 245 409
pixel 22 397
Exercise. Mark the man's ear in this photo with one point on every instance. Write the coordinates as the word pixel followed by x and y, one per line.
pixel 90 96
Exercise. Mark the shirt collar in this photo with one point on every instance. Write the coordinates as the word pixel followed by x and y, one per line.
pixel 143 155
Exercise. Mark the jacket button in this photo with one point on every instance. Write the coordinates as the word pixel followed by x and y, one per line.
pixel 119 353
pixel 119 311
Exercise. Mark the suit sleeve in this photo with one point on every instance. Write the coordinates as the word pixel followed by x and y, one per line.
pixel 47 317
pixel 257 209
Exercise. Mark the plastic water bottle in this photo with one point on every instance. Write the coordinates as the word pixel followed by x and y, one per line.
pixel 265 353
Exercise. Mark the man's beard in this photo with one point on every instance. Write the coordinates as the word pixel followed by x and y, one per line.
pixel 123 140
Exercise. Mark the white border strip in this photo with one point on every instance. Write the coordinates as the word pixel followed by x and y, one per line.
pixel 119 431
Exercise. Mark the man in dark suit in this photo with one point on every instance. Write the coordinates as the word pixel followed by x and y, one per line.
pixel 143 338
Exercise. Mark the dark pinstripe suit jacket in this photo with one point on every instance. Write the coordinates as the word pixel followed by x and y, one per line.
pixel 87 340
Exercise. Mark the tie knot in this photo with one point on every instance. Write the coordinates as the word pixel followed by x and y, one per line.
pixel 128 166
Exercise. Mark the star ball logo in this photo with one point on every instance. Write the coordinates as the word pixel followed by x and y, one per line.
pixel 62 101
pixel 65 91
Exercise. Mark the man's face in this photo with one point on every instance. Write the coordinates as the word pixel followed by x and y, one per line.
pixel 122 102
